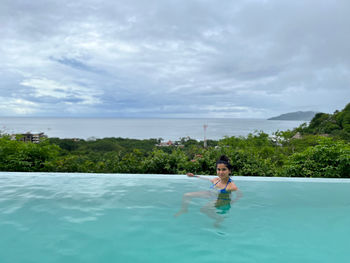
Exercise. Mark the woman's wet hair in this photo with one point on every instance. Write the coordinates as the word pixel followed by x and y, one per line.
pixel 224 160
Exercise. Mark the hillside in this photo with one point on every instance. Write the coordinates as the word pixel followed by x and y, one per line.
pixel 336 124
pixel 295 116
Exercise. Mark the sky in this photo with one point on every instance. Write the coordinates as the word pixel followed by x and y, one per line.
pixel 173 58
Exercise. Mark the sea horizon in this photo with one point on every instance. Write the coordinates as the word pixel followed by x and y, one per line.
pixel 142 128
pixel 110 117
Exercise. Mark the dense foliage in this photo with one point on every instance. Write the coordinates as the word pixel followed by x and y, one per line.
pixel 327 159
pixel 322 150
pixel 25 157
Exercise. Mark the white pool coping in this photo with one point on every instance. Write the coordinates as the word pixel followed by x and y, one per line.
pixel 175 176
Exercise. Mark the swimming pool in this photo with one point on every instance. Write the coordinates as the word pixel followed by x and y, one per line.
pixel 130 218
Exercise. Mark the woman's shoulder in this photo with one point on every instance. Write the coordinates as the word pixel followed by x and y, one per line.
pixel 215 180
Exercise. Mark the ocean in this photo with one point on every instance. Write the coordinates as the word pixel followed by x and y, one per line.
pixel 167 129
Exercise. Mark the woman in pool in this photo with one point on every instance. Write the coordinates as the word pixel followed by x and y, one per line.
pixel 222 187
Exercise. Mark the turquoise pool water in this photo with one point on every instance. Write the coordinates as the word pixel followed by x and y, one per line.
pixel 130 218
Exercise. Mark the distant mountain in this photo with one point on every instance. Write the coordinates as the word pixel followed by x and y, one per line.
pixel 296 116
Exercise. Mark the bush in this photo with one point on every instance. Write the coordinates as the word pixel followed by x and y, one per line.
pixel 25 157
pixel 328 159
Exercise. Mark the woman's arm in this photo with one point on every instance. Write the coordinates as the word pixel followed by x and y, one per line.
pixel 232 187
pixel 200 177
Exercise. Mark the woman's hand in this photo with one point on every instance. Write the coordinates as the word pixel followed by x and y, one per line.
pixel 191 175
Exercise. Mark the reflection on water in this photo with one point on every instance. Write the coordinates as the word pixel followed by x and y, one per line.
pixel 218 204
pixel 223 203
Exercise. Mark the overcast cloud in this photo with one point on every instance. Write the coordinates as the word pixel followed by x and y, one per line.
pixel 167 58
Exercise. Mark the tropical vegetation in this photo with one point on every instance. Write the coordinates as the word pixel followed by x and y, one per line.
pixel 318 149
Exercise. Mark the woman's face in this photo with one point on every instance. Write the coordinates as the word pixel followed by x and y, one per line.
pixel 222 171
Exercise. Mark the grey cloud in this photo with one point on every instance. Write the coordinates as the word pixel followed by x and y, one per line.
pixel 173 57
